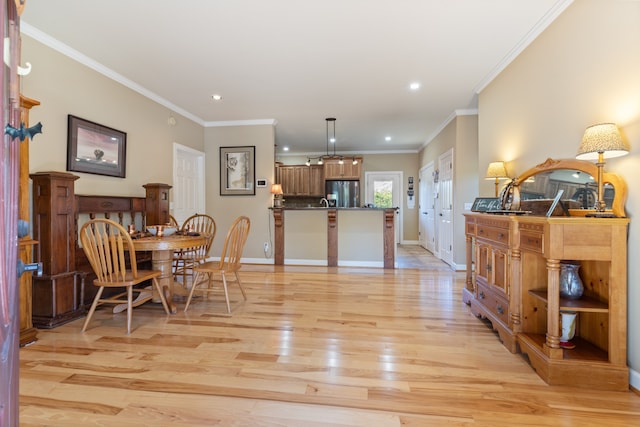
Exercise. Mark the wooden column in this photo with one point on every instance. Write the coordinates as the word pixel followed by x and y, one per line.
pixel 332 237
pixel 157 203
pixel 58 293
pixel 26 243
pixel 389 237
pixel 278 244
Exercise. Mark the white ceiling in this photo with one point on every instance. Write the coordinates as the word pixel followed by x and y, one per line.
pixel 296 62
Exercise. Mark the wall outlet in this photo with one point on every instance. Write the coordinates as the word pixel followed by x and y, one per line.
pixel 266 246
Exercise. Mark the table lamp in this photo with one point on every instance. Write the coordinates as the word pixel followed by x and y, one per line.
pixel 599 142
pixel 276 190
pixel 496 170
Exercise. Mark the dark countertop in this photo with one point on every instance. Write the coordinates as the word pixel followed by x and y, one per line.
pixel 320 208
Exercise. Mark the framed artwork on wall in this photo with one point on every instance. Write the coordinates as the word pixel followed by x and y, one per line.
pixel 237 171
pixel 94 148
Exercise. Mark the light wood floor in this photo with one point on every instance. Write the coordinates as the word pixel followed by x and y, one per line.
pixel 312 346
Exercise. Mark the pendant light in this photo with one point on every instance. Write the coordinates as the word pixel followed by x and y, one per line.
pixel 331 122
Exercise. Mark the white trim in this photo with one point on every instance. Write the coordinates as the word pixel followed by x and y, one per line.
pixel 537 29
pixel 272 122
pixel 445 123
pixel 634 379
pixel 66 50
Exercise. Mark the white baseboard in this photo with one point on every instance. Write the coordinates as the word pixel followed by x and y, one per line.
pixel 634 379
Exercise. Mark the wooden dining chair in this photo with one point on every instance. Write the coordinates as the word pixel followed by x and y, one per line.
pixel 105 244
pixel 185 260
pixel 228 266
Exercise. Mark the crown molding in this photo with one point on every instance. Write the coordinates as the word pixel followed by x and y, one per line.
pixel 537 29
pixel 271 122
pixel 68 51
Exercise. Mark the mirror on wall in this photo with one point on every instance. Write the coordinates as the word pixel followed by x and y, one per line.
pixel 577 185
pixel 577 179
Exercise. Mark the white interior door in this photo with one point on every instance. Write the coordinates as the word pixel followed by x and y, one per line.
pixel 188 182
pixel 384 190
pixel 445 190
pixel 426 225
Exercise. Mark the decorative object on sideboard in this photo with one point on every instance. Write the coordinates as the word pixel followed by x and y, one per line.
pixel 276 190
pixel 568 324
pixel 497 171
pixel 599 142
pixel 510 197
pixel 571 286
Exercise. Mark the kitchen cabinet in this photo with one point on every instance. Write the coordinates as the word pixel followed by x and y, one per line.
pixel 513 280
pixel 333 169
pixel 301 180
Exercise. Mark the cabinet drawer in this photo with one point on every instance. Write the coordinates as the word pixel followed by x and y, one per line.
pixel 531 241
pixel 471 228
pixel 493 234
pixel 497 305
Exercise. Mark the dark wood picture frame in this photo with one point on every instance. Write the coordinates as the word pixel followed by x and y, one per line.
pixel 237 171
pixel 94 148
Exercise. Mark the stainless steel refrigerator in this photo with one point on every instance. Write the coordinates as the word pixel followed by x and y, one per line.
pixel 345 193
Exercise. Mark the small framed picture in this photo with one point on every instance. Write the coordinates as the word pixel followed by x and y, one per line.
pixel 94 148
pixel 237 171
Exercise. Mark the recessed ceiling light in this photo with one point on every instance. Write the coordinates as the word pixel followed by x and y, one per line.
pixel 387 138
pixel 216 97
pixel 414 86
pixel 285 148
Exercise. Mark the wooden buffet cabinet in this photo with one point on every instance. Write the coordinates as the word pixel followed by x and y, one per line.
pixel 513 280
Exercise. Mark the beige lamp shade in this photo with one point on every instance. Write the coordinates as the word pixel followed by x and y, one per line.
pixel 602 138
pixel 276 189
pixel 496 170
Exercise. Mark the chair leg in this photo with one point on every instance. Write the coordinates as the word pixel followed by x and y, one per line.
pixel 129 307
pixel 193 288
pixel 163 300
pixel 226 291
pixel 94 304
pixel 240 286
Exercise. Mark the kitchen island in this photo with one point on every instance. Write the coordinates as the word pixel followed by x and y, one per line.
pixel 357 237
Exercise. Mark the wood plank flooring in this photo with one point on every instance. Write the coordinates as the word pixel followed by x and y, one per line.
pixel 312 346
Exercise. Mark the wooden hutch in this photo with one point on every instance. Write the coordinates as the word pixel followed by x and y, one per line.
pixel 513 278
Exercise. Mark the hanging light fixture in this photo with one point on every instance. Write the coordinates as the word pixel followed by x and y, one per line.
pixel 332 139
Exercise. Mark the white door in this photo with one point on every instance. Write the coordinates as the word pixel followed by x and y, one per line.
pixel 188 182
pixel 427 218
pixel 445 189
pixel 384 190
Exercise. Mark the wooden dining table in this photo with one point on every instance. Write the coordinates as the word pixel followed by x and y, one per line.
pixel 162 249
